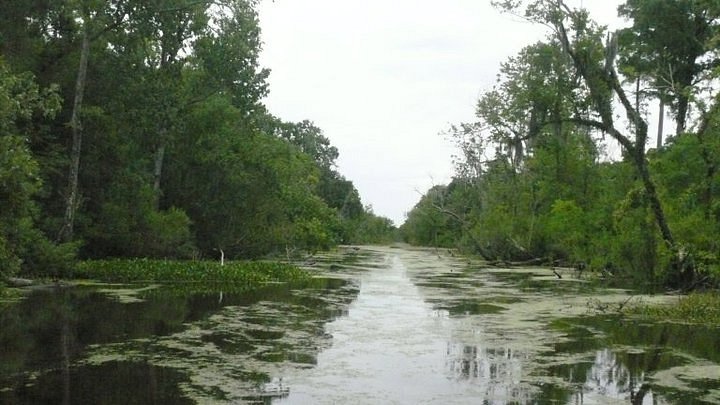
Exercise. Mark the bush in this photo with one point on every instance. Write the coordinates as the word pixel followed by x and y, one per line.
pixel 129 225
pixel 9 263
pixel 567 231
pixel 169 234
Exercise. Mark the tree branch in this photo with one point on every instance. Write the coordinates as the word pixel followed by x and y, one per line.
pixel 708 117
pixel 632 114
pixel 608 129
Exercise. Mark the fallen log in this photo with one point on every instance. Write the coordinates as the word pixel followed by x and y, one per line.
pixel 19 282
pixel 505 263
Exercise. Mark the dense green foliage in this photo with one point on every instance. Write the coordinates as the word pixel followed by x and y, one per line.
pixel 136 129
pixel 536 176
pixel 21 242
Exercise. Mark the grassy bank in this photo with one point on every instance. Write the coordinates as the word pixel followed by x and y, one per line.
pixel 694 308
pixel 238 274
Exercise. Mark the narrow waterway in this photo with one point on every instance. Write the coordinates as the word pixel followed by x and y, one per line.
pixel 429 328
pixel 391 348
pixel 375 326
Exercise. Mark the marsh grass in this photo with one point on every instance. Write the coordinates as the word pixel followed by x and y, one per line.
pixel 238 274
pixel 697 308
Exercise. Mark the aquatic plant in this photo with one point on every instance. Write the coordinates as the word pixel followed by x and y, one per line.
pixel 8 295
pixel 693 308
pixel 239 273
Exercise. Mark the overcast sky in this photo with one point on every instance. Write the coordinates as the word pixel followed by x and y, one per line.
pixel 383 79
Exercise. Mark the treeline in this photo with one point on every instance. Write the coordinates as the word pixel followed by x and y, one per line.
pixel 535 179
pixel 135 128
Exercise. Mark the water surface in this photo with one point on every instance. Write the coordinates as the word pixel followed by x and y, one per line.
pixel 377 325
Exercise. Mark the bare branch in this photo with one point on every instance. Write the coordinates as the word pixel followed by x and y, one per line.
pixel 633 114
pixel 450 213
pixel 608 129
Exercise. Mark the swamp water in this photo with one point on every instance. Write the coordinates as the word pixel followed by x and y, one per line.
pixel 377 326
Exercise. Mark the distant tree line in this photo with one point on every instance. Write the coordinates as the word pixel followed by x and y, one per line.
pixel 136 128
pixel 533 179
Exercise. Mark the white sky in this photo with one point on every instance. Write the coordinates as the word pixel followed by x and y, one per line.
pixel 383 79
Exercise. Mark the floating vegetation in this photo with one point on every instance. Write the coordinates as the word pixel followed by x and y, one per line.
pixel 9 296
pixel 205 274
pixel 698 308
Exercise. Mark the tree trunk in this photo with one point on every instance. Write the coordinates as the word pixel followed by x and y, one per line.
pixel 661 123
pixel 683 270
pixel 157 173
pixel 681 114
pixel 637 98
pixel 708 194
pixel 685 78
pixel 71 199
pixel 655 204
pixel 708 156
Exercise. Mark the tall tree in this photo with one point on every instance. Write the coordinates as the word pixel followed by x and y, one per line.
pixel 534 89
pixel 71 198
pixel 307 137
pixel 666 43
pixel 595 63
pixel 22 244
pixel 166 29
pixel 92 20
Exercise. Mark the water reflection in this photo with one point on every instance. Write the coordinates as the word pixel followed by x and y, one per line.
pixel 610 377
pixel 636 353
pixel 511 348
pixel 131 382
pixel 497 373
pixel 507 375
pixel 483 364
pixel 57 342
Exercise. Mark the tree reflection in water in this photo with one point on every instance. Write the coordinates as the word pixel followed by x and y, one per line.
pixel 609 377
pixel 496 372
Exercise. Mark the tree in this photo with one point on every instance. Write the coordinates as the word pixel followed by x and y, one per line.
pixel 429 222
pixel 536 91
pixel 22 245
pixel 595 62
pixel 87 15
pixel 307 137
pixel 162 146
pixel 246 192
pixel 522 154
pixel 666 44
